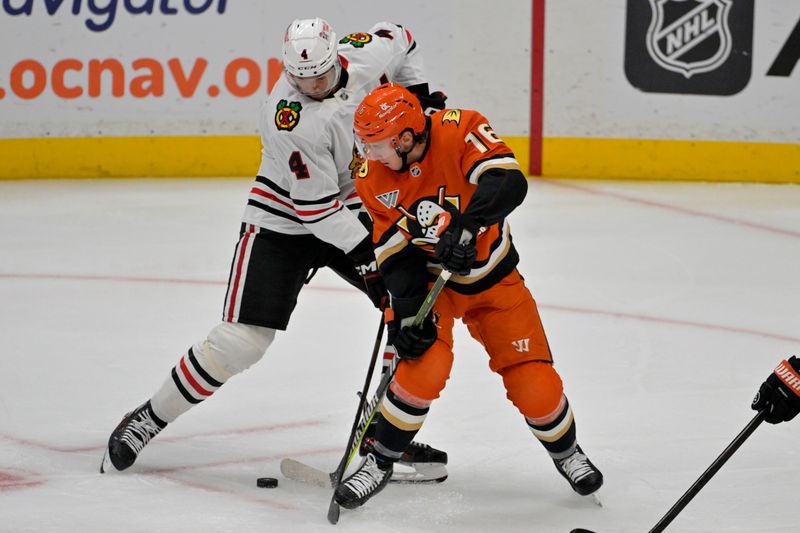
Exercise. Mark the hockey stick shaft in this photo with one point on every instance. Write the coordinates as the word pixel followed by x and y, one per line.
pixel 333 508
pixel 430 299
pixel 709 473
pixel 369 414
pixel 372 406
pixel 425 308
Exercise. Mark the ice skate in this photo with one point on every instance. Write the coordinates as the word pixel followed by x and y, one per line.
pixel 131 435
pixel 423 463
pixel 366 482
pixel 583 476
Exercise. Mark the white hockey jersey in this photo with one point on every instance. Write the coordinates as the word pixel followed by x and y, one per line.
pixel 308 157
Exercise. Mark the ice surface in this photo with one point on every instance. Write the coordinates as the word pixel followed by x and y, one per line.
pixel 665 304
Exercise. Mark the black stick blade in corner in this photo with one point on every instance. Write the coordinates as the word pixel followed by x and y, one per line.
pixel 333 512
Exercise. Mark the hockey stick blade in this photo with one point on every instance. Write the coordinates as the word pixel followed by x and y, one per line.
pixel 297 471
pixel 333 512
pixel 423 473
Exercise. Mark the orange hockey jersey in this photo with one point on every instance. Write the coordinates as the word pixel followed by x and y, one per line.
pixel 405 206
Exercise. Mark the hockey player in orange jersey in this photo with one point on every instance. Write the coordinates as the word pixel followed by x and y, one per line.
pixel 439 189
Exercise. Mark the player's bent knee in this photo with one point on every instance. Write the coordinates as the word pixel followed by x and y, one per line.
pixel 232 348
pixel 535 388
pixel 426 377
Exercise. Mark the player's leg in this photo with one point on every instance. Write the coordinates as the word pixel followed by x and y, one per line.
pixel 509 327
pixel 402 412
pixel 262 293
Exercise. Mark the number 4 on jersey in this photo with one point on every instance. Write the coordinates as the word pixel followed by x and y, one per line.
pixel 297 166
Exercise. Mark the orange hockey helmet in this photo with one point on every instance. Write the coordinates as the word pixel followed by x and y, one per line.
pixel 387 112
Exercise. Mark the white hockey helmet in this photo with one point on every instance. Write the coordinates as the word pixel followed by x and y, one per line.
pixel 310 57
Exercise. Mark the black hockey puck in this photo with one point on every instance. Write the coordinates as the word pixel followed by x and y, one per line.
pixel 267 482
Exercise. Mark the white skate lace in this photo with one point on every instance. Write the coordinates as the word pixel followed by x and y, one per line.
pixel 366 479
pixel 139 431
pixel 576 467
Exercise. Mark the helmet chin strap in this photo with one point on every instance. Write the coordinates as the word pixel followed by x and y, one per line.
pixel 403 157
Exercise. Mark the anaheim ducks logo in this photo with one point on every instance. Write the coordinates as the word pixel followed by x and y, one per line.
pixel 426 217
pixel 288 115
pixel 357 40
pixel 452 115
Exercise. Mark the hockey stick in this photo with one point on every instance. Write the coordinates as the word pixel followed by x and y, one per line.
pixel 709 473
pixel 305 473
pixel 299 471
pixel 705 478
pixel 362 398
pixel 425 308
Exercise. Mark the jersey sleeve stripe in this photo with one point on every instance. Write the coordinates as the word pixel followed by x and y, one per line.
pixel 327 214
pixel 271 184
pixel 273 211
pixel 280 193
pixel 318 201
pixel 504 161
pixel 311 212
pixel 274 201
pixel 269 196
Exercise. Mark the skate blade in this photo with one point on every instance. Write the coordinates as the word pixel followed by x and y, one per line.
pixel 106 465
pixel 596 499
pixel 419 473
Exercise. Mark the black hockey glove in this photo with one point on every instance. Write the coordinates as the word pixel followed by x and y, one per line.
pixel 780 393
pixel 456 247
pixel 431 102
pixel 363 257
pixel 410 341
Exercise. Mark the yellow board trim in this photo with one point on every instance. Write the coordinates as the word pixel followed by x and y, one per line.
pixel 521 146
pixel 123 157
pixel 671 160
pixel 236 156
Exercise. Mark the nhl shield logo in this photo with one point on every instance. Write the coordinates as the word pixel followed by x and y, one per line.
pixel 689 36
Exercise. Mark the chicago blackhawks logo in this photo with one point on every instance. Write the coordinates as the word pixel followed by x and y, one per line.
pixel 689 36
pixel 427 217
pixel 288 115
pixel 356 164
pixel 357 40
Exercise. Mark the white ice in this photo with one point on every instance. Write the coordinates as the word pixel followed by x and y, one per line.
pixel 666 305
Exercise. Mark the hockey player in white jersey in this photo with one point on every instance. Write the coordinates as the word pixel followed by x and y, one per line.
pixel 302 214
